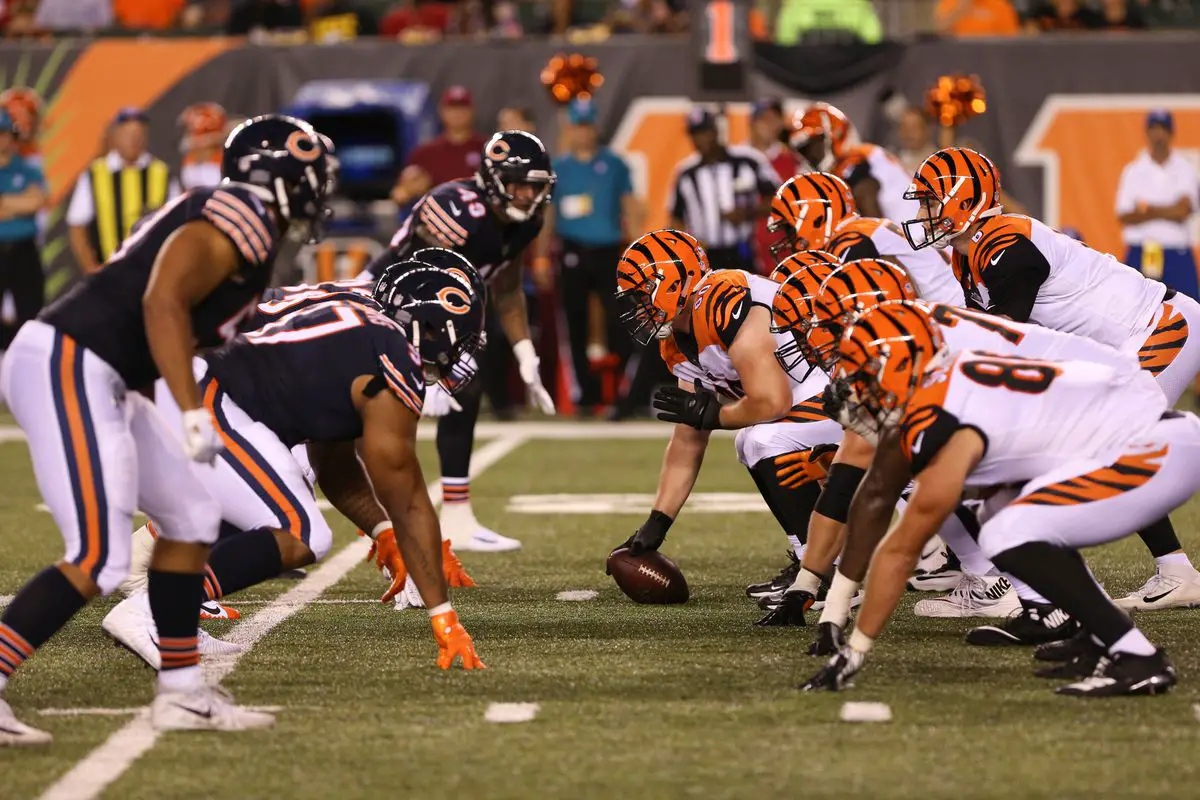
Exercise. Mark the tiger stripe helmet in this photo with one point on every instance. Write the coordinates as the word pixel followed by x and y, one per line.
pixel 798 261
pixel 822 120
pixel 807 210
pixel 881 360
pixel 849 290
pixel 655 276
pixel 791 313
pixel 956 188
pixel 204 125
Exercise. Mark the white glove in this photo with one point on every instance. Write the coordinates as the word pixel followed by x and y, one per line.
pixel 201 441
pixel 438 402
pixel 527 363
pixel 462 372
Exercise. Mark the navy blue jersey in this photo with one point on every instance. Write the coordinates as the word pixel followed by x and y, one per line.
pixel 457 217
pixel 103 311
pixel 286 299
pixel 295 375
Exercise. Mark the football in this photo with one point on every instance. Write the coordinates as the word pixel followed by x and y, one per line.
pixel 648 578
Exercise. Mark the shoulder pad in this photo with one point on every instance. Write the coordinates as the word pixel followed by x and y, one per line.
pixel 719 309
pixel 996 234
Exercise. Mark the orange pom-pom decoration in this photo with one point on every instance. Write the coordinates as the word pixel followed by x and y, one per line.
pixel 567 77
pixel 954 99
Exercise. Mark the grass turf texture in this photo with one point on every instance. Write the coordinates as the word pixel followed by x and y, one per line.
pixel 636 701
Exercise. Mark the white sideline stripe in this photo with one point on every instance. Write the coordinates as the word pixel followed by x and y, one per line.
pixel 511 712
pixel 124 712
pixel 322 602
pixel 104 765
pixel 569 431
pixel 698 503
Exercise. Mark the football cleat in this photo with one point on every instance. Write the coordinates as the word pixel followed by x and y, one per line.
pixel 14 733
pixel 1033 623
pixel 211 646
pixel 1088 653
pixel 789 612
pixel 131 625
pixel 213 610
pixel 1171 586
pixel 830 639
pixel 933 557
pixel 780 583
pixel 467 535
pixel 1125 674
pixel 206 708
pixel 975 596
pixel 943 579
pixel 1065 650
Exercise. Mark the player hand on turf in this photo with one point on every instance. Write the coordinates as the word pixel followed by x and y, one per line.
pixel 453 569
pixel 790 611
pixel 837 674
pixel 527 365
pixel 201 441
pixel 454 642
pixel 699 409
pixel 387 556
pixel 830 639
pixel 438 402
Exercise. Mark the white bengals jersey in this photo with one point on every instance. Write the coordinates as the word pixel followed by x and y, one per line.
pixel 873 161
pixel 200 174
pixel 964 329
pixel 1033 415
pixel 1030 272
pixel 929 268
pixel 717 308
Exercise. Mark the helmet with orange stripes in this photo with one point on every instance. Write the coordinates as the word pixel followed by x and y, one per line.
pixel 24 105
pixel 791 313
pixel 807 210
pixel 204 125
pixel 654 278
pixel 798 261
pixel 881 360
pixel 849 290
pixel 956 188
pixel 821 133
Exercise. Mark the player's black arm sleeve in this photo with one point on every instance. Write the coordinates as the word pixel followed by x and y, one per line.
pixel 341 477
pixel 1013 277
pixel 873 504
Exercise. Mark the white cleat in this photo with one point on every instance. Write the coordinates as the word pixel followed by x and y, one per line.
pixel 487 541
pixel 211 646
pixel 975 596
pixel 131 625
pixel 207 708
pixel 943 579
pixel 933 557
pixel 14 733
pixel 1172 586
pixel 409 597
pixel 467 535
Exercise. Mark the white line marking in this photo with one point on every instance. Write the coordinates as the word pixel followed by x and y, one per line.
pixel 104 765
pixel 124 712
pixel 322 602
pixel 698 503
pixel 577 595
pixel 511 712
pixel 5 599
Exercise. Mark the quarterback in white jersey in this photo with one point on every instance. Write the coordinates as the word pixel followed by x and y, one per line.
pixel 713 331
pixel 1068 454
pixel 1019 268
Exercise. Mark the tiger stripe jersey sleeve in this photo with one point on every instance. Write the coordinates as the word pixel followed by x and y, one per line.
pixel 853 241
pixel 722 306
pixel 1005 269
pixel 244 219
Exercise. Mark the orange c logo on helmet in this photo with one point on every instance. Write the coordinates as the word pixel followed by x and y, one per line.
pixel 454 300
pixel 303 146
pixel 498 150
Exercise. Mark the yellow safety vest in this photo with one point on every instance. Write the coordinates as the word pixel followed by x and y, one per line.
pixel 122 198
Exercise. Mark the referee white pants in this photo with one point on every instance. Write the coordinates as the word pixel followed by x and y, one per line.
pixel 256 480
pixel 99 452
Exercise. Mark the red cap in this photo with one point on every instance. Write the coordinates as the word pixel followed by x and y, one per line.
pixel 456 96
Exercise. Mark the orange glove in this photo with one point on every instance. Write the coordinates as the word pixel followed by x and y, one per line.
pixel 387 555
pixel 453 641
pixel 453 569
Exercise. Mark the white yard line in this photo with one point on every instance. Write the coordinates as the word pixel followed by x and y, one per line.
pixel 104 765
pixel 124 712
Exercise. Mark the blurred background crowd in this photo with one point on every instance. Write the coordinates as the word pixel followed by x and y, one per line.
pixel 781 21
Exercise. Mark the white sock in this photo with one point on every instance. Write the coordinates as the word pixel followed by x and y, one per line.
pixel 806 581
pixel 1133 642
pixel 1174 559
pixel 797 546
pixel 3 683
pixel 184 679
pixel 838 599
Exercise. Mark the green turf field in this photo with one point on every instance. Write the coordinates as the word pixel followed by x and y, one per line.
pixel 688 701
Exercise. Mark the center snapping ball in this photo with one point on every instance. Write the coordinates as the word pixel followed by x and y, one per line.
pixel 648 578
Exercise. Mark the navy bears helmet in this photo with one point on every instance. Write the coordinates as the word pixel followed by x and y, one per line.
pixel 287 163
pixel 512 159
pixel 442 316
pixel 455 264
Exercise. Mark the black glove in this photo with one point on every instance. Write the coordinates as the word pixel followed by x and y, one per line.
pixel 699 409
pixel 838 673
pixel 648 537
pixel 790 611
pixel 830 639
pixel 834 398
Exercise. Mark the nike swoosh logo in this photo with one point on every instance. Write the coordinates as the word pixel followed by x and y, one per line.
pixel 917 442
pixel 737 313
pixel 454 208
pixel 1156 598
pixel 996 260
pixel 205 714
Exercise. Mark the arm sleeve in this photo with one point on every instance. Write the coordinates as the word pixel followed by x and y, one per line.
pixel 81 210
pixel 1013 275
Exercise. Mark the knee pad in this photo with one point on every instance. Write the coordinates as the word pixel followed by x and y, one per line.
pixel 839 490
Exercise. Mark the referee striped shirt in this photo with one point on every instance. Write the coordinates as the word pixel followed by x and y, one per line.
pixel 702 193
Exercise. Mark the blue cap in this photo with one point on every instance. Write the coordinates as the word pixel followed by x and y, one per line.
pixel 6 122
pixel 1160 116
pixel 701 119
pixel 581 112
pixel 131 114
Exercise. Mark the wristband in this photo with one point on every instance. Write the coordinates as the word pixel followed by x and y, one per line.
pixel 442 609
pixel 524 351
pixel 860 641
pixel 386 525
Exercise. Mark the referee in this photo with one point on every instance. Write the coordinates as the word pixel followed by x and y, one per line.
pixel 719 191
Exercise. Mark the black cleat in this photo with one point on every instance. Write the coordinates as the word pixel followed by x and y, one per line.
pixel 1065 650
pixel 789 612
pixel 830 638
pixel 779 583
pixel 1033 623
pixel 1123 675
pixel 1088 654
